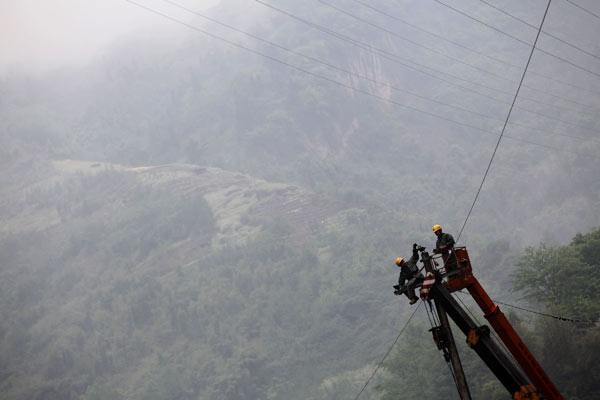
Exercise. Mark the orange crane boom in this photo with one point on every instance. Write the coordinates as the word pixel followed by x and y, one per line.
pixel 458 275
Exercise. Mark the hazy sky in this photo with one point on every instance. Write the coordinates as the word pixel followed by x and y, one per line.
pixel 40 34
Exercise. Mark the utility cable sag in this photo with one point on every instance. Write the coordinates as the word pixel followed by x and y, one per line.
pixel 342 37
pixel 483 23
pixel 535 27
pixel 441 37
pixel 544 314
pixel 412 41
pixel 553 79
pixel 344 85
pixel 329 65
pixel 455 59
pixel 505 123
pixel 519 40
pixel 388 352
pixel 584 9
pixel 445 39
pixel 347 86
pixel 558 317
pixel 395 59
pixel 388 55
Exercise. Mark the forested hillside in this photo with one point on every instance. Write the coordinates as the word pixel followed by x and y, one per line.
pixel 207 220
pixel 186 279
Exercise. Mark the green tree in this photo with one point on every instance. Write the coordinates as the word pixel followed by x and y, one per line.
pixel 566 280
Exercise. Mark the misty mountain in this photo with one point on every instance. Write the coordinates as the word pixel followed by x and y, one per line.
pixel 210 103
pixel 217 217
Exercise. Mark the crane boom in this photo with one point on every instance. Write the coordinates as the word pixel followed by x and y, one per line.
pixel 523 382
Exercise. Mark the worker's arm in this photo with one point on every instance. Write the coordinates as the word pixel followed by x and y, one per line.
pixel 415 254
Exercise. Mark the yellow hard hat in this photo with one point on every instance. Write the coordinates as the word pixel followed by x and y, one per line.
pixel 437 228
pixel 399 260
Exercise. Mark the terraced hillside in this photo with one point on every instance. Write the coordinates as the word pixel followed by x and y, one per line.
pixel 209 281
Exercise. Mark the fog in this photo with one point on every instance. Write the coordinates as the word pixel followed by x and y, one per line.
pixel 205 199
pixel 39 35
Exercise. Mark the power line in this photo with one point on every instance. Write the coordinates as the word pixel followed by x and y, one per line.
pixel 352 41
pixel 441 37
pixel 388 352
pixel 385 54
pixel 553 79
pixel 552 147
pixel 534 27
pixel 340 83
pixel 584 9
pixel 434 34
pixel 366 77
pixel 394 58
pixel 556 80
pixel 483 23
pixel 550 133
pixel 316 60
pixel 453 59
pixel 309 72
pixel 558 317
pixel 552 118
pixel 412 41
pixel 519 40
pixel 391 56
pixel 396 88
pixel 507 118
pixel 556 97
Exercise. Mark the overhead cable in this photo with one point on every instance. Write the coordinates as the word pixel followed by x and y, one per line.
pixel 486 71
pixel 465 63
pixel 388 352
pixel 534 27
pixel 340 10
pixel 385 54
pixel 557 317
pixel 584 9
pixel 441 37
pixel 519 40
pixel 329 65
pixel 484 23
pixel 390 56
pixel 316 75
pixel 375 81
pixel 505 123
pixel 395 58
pixel 344 85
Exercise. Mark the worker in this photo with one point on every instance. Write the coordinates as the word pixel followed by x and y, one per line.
pixel 409 272
pixel 444 245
